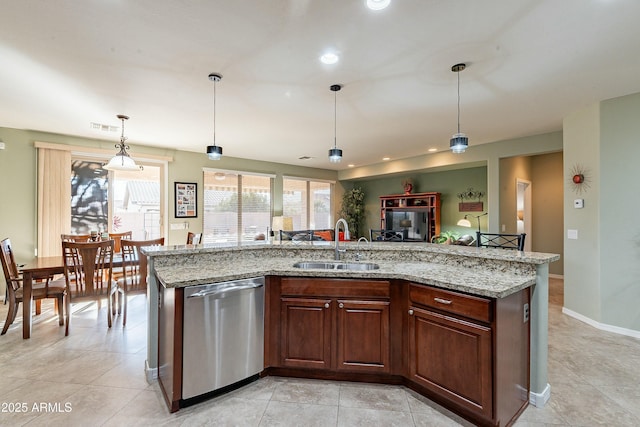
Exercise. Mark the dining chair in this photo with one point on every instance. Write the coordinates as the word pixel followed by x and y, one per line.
pixel 75 237
pixel 193 238
pixel 117 249
pixel 41 290
pixel 117 239
pixel 500 240
pixel 134 265
pixel 88 272
pixel 386 235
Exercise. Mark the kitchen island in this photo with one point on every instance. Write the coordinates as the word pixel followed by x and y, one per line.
pixel 486 282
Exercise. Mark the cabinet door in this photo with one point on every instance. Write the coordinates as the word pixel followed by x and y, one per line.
pixel 306 332
pixel 451 357
pixel 363 335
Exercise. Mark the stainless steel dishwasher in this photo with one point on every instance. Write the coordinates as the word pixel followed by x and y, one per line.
pixel 223 335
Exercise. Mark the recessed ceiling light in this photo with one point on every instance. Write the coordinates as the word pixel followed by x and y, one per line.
pixel 431 150
pixel 329 58
pixel 386 158
pixel 351 165
pixel 378 4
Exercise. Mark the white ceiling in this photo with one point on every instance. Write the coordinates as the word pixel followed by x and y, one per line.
pixel 530 63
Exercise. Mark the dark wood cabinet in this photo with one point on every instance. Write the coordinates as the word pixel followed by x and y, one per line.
pixel 451 357
pixel 306 332
pixel 335 324
pixel 363 335
pixel 470 352
pixel 395 207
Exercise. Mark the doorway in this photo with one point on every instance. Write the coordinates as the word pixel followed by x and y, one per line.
pixel 523 210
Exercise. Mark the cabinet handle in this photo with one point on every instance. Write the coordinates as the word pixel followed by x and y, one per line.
pixel 326 305
pixel 442 300
pixel 341 305
pixel 410 312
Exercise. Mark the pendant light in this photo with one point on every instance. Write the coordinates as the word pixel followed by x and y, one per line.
pixel 459 142
pixel 214 151
pixel 122 161
pixel 335 154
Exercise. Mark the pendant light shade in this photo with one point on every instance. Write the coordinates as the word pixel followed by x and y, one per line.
pixel 335 154
pixel 459 142
pixel 122 161
pixel 214 151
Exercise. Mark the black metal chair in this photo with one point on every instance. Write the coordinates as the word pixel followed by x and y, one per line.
pixel 503 241
pixel 386 235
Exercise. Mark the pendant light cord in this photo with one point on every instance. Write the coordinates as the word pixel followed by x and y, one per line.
pixel 458 73
pixel 214 113
pixel 335 119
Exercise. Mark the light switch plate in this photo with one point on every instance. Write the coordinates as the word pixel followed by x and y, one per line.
pixel 578 203
pixel 179 226
pixel 572 234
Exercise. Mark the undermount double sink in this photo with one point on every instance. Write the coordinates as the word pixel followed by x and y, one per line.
pixel 336 265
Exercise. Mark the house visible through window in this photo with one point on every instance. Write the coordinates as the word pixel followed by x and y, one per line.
pixel 308 203
pixel 237 206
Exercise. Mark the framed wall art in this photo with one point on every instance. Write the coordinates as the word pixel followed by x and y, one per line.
pixel 186 199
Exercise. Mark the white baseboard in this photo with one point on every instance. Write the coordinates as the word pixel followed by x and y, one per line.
pixel 150 373
pixel 601 326
pixel 540 399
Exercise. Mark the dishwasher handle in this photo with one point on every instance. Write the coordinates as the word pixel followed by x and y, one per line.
pixel 220 292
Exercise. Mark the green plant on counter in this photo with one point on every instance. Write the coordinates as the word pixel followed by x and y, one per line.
pixel 353 210
pixel 446 237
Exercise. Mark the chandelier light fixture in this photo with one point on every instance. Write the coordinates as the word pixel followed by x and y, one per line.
pixel 335 154
pixel 122 161
pixel 459 142
pixel 214 151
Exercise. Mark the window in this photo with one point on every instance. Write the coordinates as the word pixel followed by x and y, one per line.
pixel 308 203
pixel 237 206
pixel 115 201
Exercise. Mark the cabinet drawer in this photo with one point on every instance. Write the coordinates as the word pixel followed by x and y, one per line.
pixel 453 302
pixel 338 288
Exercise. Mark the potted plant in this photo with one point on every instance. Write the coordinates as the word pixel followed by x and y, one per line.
pixel 446 237
pixel 353 210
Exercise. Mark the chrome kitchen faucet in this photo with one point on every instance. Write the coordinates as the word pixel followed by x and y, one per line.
pixel 336 236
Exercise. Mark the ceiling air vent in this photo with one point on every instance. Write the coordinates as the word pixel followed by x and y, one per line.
pixel 103 128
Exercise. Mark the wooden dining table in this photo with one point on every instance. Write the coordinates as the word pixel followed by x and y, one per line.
pixel 41 268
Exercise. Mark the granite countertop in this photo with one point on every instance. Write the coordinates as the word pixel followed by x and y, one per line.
pixel 479 271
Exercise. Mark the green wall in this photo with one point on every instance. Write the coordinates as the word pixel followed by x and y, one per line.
pixel 618 210
pixel 547 200
pixel 601 267
pixel 448 183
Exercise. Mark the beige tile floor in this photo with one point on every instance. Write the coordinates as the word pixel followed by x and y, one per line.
pixel 96 377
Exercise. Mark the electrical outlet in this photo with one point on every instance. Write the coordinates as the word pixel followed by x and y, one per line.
pixel 525 310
